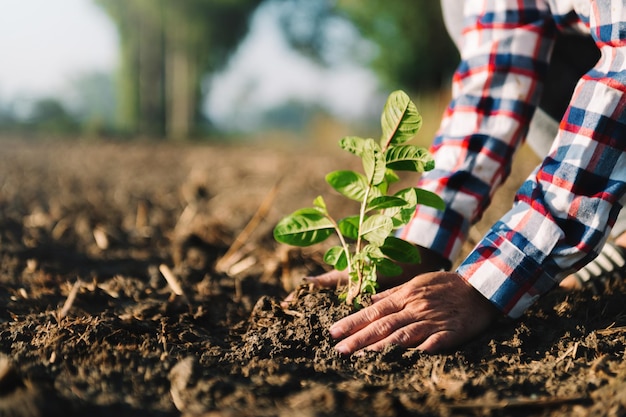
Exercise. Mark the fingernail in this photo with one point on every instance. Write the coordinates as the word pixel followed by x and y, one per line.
pixel 335 331
pixel 343 349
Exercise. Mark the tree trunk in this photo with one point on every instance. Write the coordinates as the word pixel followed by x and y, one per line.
pixel 181 106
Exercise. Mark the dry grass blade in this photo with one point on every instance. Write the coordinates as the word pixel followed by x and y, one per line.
pixel 242 265
pixel 71 297
pixel 171 279
pixel 225 261
pixel 569 352
pixel 611 330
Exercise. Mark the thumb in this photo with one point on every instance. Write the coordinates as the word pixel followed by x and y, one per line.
pixel 329 279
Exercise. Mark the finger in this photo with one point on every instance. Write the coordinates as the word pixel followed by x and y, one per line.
pixel 379 334
pixel 410 335
pixel 440 341
pixel 357 321
pixel 329 279
pixel 286 302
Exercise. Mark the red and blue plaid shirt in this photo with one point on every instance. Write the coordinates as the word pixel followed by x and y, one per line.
pixel 564 211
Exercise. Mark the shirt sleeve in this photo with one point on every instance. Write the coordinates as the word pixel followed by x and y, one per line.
pixel 564 211
pixel 504 54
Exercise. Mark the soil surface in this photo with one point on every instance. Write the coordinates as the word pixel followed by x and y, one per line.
pixel 90 326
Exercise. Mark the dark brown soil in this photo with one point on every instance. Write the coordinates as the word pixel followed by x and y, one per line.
pixel 90 327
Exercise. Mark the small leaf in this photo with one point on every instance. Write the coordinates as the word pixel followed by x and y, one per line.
pixel 388 268
pixel 374 163
pixel 348 183
pixel 400 250
pixel 336 257
pixel 376 228
pixel 386 201
pixel 369 279
pixel 304 227
pixel 409 195
pixel 321 204
pixel 352 144
pixel 349 227
pixel 391 176
pixel 369 287
pixel 400 120
pixel 409 158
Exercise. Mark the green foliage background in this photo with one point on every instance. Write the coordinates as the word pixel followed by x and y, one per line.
pixel 412 49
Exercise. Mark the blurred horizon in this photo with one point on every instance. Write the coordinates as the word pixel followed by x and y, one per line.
pixel 62 61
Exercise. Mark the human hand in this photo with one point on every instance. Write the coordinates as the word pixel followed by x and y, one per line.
pixel 433 312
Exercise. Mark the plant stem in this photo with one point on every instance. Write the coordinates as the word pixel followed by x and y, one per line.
pixel 355 289
pixel 344 245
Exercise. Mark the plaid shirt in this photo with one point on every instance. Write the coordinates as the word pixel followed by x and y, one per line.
pixel 563 212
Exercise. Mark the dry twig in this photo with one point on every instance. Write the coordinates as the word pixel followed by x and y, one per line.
pixel 69 301
pixel 225 261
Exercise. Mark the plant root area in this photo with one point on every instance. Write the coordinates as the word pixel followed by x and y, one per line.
pixel 142 279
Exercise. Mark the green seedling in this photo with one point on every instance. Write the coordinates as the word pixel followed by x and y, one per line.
pixel 367 245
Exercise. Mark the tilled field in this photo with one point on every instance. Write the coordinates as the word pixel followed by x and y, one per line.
pixel 142 280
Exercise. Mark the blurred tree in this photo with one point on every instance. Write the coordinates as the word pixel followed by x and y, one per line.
pixel 93 101
pixel 48 115
pixel 167 48
pixel 412 48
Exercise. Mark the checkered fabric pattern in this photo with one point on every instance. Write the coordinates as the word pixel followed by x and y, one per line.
pixel 563 213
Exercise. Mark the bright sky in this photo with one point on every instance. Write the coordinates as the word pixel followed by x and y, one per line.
pixel 44 44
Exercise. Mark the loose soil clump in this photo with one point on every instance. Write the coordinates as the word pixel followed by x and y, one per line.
pixel 90 326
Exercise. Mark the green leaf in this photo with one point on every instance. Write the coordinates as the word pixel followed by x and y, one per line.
pixel 376 228
pixel 409 158
pixel 400 120
pixel 304 227
pixel 372 252
pixel 369 273
pixel 369 287
pixel 349 227
pixel 413 196
pixel 400 250
pixel 348 183
pixel 409 195
pixel 386 201
pixel 430 199
pixel 374 163
pixel 352 144
pixel 388 268
pixel 402 215
pixel 391 176
pixel 336 257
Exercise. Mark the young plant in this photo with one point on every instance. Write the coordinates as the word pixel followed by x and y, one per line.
pixel 366 242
